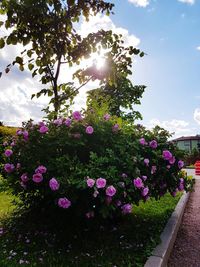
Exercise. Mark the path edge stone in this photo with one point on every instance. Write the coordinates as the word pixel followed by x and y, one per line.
pixel 161 253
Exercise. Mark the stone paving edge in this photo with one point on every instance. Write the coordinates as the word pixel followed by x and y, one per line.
pixel 161 253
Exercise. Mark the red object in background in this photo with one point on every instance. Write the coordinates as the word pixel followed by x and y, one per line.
pixel 197 167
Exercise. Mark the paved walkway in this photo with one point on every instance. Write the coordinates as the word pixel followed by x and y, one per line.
pixel 186 250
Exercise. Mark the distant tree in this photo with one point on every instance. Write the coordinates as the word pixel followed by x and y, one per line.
pixel 48 27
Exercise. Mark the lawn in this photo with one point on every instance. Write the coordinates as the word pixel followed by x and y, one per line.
pixel 125 244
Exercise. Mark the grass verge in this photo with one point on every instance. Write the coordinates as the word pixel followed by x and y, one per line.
pixel 127 243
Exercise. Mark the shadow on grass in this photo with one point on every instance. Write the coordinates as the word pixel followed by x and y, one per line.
pixel 54 240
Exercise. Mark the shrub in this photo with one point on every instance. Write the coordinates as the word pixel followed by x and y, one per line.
pixel 91 166
pixel 5 133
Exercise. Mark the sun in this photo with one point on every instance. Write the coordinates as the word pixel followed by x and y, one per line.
pixel 97 59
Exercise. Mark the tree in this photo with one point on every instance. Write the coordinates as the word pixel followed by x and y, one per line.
pixel 122 96
pixel 48 27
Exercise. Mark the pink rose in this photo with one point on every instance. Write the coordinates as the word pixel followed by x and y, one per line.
pixel 37 178
pixel 110 191
pixel 89 130
pixel 43 129
pixel 9 167
pixel 90 182
pixel 64 203
pixel 54 184
pixel 126 208
pixel 142 141
pixel 138 183
pixel 67 122
pixel 106 117
pixel 8 152
pixel 153 144
pixel 24 177
pixel 101 183
pixel 77 116
pixel 41 169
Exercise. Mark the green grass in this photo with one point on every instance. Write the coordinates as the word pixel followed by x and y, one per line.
pixel 122 244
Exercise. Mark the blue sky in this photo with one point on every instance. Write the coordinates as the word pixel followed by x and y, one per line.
pixel 168 31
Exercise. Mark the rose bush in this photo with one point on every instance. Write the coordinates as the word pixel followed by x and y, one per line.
pixel 91 165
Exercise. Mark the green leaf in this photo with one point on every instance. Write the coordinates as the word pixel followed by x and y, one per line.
pixel 2 43
pixel 30 66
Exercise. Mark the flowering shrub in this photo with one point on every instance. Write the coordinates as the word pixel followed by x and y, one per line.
pixel 91 165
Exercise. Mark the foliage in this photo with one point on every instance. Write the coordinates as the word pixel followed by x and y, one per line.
pixel 192 157
pixel 5 132
pixel 119 97
pixel 77 151
pixel 49 29
pixel 127 243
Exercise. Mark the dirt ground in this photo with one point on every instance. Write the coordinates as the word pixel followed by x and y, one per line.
pixel 186 250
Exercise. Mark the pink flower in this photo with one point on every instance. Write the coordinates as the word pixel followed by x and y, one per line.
pixel 181 187
pixel 115 128
pixel 180 164
pixel 19 132
pixel 144 178
pixel 118 203
pixel 37 178
pixel 145 191
pixel 153 144
pixel 89 130
pixel 58 122
pixel 168 166
pixel 172 160
pixel 138 183
pixel 146 162
pixel 153 169
pixel 13 143
pixel 41 123
pixel 181 180
pixel 124 175
pixel 43 129
pixel 24 177
pixel 25 134
pixel 95 193
pixel 173 193
pixel 167 155
pixel 110 191
pixel 90 182
pixel 54 184
pixel 142 141
pixel 126 208
pixel 9 167
pixel 77 116
pixel 41 169
pixel 18 165
pixel 5 143
pixel 67 122
pixel 8 152
pixel 89 214
pixel 64 203
pixel 101 183
pixel 106 117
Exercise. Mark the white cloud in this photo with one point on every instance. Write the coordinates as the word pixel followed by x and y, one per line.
pixel 197 115
pixel 140 3
pixel 99 22
pixel 178 127
pixel 190 2
pixel 198 48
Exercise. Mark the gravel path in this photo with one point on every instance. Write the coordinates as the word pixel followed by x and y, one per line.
pixel 186 250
